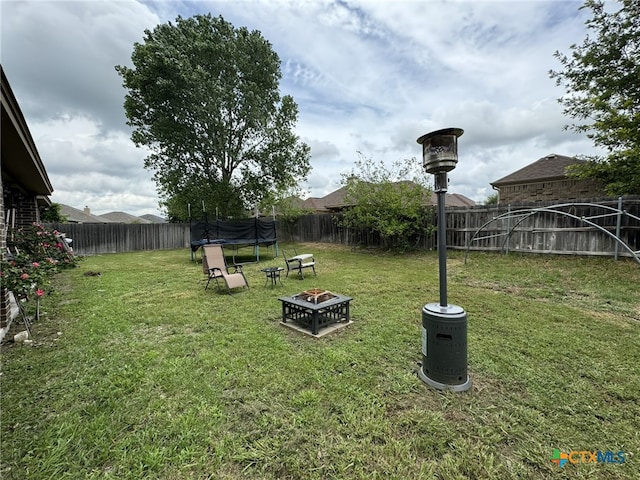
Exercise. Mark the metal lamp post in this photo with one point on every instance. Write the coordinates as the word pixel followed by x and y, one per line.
pixel 444 326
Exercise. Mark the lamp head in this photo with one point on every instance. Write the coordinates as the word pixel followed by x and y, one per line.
pixel 440 150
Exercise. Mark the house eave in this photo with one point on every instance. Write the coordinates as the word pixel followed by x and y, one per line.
pixel 21 162
pixel 521 182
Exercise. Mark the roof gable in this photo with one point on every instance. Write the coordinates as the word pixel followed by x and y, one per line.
pixel 551 167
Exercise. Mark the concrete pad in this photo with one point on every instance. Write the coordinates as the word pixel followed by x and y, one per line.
pixel 321 332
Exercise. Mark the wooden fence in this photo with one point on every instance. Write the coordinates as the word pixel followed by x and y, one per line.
pixel 581 228
pixel 325 228
pixel 99 238
pixel 578 228
pixel 525 228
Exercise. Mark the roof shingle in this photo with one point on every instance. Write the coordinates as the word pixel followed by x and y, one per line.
pixel 551 167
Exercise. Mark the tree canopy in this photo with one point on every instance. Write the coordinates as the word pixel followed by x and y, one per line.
pixel 492 199
pixel 203 98
pixel 602 79
pixel 52 214
pixel 289 209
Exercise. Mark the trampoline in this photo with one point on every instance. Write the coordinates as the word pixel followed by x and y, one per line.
pixel 234 234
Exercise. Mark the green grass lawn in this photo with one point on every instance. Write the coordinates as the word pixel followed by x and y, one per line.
pixel 141 373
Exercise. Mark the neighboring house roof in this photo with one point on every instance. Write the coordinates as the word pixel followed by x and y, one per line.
pixel 337 200
pixel 122 217
pixel 73 215
pixel 21 162
pixel 153 218
pixel 334 200
pixel 295 201
pixel 551 167
pixel 453 200
pixel 313 203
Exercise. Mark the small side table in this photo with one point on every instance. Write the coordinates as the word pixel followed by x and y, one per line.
pixel 273 274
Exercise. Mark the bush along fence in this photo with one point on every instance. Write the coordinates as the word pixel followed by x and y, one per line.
pixel 577 227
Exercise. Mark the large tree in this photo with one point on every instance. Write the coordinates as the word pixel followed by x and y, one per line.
pixel 602 79
pixel 203 98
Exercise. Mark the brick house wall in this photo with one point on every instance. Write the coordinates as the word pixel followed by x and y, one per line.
pixel 24 205
pixel 4 294
pixel 566 189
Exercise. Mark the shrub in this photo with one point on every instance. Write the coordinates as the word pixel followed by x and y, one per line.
pixel 34 255
pixel 392 202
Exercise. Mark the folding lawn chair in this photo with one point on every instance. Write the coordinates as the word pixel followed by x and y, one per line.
pixel 214 267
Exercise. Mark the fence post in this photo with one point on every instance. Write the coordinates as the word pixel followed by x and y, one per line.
pixel 508 228
pixel 618 225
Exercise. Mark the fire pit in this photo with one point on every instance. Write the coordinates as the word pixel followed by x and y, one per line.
pixel 315 296
pixel 315 309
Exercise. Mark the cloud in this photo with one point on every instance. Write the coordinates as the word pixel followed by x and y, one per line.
pixel 64 53
pixel 60 58
pixel 368 76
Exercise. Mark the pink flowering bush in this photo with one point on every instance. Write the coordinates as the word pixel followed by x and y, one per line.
pixel 34 256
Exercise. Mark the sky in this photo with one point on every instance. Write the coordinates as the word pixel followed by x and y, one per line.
pixel 369 78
